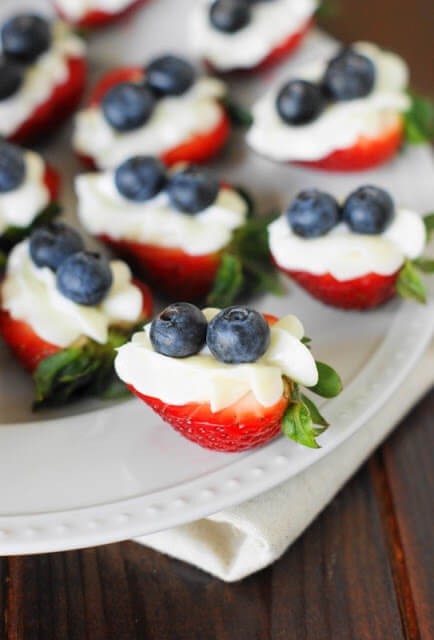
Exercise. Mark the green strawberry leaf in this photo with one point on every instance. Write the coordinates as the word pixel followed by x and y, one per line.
pixel 298 426
pixel 424 264
pixel 316 416
pixel 428 221
pixel 306 341
pixel 329 383
pixel 409 284
pixel 419 120
pixel 13 235
pixel 327 9
pixel 238 115
pixel 228 282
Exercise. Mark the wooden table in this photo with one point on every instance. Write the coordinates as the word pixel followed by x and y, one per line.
pixel 363 571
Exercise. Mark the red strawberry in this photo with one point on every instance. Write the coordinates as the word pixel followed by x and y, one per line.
pixel 243 425
pixel 52 182
pixel 197 149
pixel 174 272
pixel 63 101
pixel 361 293
pixel 365 154
pixel 30 349
pixel 94 19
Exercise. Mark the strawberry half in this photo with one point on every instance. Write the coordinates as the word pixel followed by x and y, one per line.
pixel 96 18
pixel 361 293
pixel 174 272
pixel 198 148
pixel 30 349
pixel 365 154
pixel 63 101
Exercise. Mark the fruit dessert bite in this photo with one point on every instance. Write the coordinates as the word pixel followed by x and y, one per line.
pixel 64 310
pixel 29 189
pixel 179 228
pixel 248 34
pixel 91 14
pixel 345 114
pixel 228 379
pixel 354 256
pixel 165 109
pixel 42 76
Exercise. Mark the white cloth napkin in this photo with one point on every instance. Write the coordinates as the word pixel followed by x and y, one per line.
pixel 236 542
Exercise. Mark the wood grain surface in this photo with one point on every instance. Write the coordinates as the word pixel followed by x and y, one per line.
pixel 364 570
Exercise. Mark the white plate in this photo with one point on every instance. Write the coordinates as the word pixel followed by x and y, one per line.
pixel 95 473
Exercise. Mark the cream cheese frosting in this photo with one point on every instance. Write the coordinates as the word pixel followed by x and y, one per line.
pixel 103 210
pixel 18 208
pixel 29 293
pixel 271 24
pixel 40 79
pixel 347 255
pixel 174 121
pixel 342 123
pixel 202 379
pixel 74 10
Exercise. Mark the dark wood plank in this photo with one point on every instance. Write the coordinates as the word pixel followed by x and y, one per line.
pixel 403 473
pixel 336 581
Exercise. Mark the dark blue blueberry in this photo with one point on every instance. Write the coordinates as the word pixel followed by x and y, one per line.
pixel 12 167
pixel 313 213
pixel 368 210
pixel 11 78
pixel 170 76
pixel 230 16
pixel 84 277
pixel 348 76
pixel 25 37
pixel 51 244
pixel 140 178
pixel 127 106
pixel 179 331
pixel 238 334
pixel 300 102
pixel 192 190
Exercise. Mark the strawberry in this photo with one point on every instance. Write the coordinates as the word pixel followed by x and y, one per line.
pixel 365 154
pixel 243 425
pixel 360 293
pixel 197 149
pixel 174 272
pixel 52 182
pixel 30 349
pixel 96 18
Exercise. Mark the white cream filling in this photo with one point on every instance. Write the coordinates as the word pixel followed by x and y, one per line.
pixel 29 293
pixel 18 208
pixel 271 24
pixel 201 378
pixel 342 123
pixel 347 255
pixel 40 79
pixel 174 121
pixel 103 210
pixel 74 10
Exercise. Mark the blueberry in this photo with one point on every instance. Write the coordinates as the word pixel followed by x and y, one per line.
pixel 313 213
pixel 368 210
pixel 179 331
pixel 127 106
pixel 25 37
pixel 84 277
pixel 238 334
pixel 192 190
pixel 300 102
pixel 230 16
pixel 170 76
pixel 348 76
pixel 51 244
pixel 12 167
pixel 140 178
pixel 11 78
